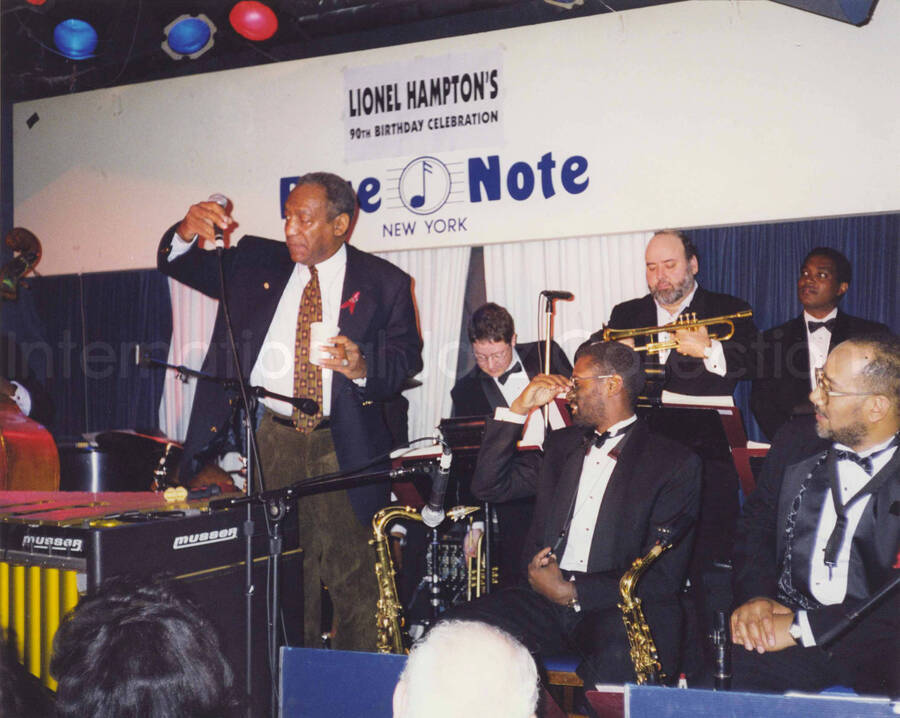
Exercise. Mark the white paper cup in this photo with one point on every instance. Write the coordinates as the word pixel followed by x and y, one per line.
pixel 319 346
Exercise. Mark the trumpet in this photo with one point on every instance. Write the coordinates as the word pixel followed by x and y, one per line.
pixel 685 321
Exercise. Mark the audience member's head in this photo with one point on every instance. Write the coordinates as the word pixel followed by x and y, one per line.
pixel 140 650
pixel 21 694
pixel 467 668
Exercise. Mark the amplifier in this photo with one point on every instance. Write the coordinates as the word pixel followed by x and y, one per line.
pixel 58 546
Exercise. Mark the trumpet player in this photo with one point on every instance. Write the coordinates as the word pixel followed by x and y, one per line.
pixel 699 365
pixel 601 486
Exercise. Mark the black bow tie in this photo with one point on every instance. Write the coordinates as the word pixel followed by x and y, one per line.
pixel 514 369
pixel 597 439
pixel 863 461
pixel 815 326
pixel 836 540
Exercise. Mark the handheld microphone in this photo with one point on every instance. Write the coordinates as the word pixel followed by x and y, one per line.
pixel 307 406
pixel 556 294
pixel 222 201
pixel 433 512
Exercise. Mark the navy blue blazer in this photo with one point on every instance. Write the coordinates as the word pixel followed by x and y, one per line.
pixel 381 321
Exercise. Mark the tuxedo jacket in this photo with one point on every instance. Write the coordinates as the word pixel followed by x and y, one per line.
pixel 381 321
pixel 477 394
pixel 760 547
pixel 655 481
pixel 688 375
pixel 783 384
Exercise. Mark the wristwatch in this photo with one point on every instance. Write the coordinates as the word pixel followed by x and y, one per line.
pixel 573 602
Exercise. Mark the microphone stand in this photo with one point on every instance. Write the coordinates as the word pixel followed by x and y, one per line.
pixel 549 313
pixel 258 392
pixel 275 512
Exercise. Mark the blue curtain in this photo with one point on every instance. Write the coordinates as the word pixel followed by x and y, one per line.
pixel 760 264
pixel 81 335
pixel 124 312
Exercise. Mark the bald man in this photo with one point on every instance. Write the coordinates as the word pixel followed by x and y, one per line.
pixel 699 366
pixel 818 541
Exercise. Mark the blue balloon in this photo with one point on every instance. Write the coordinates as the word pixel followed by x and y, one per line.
pixel 188 35
pixel 75 39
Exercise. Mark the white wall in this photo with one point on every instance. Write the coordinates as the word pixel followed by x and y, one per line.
pixel 695 113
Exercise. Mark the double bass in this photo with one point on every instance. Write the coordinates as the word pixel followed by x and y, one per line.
pixel 28 456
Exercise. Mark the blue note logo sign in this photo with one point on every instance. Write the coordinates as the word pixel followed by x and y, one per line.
pixel 424 185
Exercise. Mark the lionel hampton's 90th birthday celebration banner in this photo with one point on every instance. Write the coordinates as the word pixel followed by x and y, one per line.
pixel 438 103
pixel 688 114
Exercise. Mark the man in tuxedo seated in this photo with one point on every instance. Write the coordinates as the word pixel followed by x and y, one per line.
pixel 602 486
pixel 792 351
pixel 815 544
pixel 502 370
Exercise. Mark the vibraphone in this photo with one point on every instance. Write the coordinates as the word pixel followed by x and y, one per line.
pixel 58 546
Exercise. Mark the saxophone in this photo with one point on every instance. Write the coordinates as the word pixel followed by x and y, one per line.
pixel 643 653
pixel 389 613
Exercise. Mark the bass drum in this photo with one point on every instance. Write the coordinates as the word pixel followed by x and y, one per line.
pixel 116 461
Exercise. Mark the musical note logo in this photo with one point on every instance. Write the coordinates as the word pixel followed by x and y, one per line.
pixel 418 200
pixel 424 185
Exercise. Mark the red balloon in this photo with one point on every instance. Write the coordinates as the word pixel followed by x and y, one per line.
pixel 253 20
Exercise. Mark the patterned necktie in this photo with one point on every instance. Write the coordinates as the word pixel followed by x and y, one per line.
pixel 307 377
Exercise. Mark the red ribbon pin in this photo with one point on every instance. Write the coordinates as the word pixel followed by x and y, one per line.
pixel 351 303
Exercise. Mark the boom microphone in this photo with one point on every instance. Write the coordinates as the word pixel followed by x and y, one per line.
pixel 433 511
pixel 222 201
pixel 558 294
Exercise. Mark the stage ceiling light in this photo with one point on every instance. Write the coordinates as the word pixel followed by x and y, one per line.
pixel 188 36
pixel 254 20
pixel 75 39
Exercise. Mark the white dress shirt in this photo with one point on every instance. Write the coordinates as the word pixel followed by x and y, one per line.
pixel 818 343
pixel 715 362
pixel 595 474
pixel 533 435
pixel 274 367
pixel 829 586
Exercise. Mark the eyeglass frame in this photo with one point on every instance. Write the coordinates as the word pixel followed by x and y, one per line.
pixel 819 374
pixel 575 379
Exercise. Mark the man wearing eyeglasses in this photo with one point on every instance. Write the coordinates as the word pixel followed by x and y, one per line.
pixel 817 543
pixel 792 351
pixel 602 486
pixel 503 367
pixel 502 370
